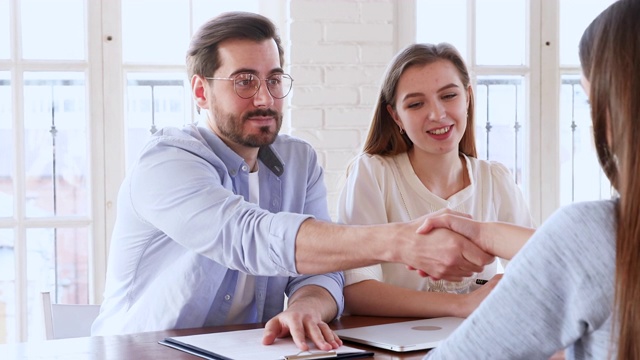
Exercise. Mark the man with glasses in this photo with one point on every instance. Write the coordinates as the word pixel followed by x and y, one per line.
pixel 216 223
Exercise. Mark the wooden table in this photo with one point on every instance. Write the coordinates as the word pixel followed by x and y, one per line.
pixel 145 345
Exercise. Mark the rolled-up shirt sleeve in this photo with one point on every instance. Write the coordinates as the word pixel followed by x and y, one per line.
pixel 194 208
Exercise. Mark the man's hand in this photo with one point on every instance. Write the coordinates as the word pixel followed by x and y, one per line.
pixel 305 318
pixel 498 238
pixel 442 253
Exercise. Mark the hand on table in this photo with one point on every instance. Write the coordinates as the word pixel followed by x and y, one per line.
pixel 303 320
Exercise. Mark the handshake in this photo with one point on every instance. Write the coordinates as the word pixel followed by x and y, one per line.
pixel 450 245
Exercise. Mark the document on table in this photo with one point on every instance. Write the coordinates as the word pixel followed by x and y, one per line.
pixel 247 344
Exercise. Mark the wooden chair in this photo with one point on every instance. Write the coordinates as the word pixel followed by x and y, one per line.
pixel 67 321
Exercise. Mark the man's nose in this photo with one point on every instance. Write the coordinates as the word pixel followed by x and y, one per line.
pixel 263 97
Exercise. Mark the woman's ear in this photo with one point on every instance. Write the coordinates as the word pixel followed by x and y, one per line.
pixel 199 91
pixel 394 116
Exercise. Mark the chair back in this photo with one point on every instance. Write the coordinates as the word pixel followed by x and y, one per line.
pixel 67 321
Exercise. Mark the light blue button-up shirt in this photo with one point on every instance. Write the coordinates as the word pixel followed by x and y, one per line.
pixel 185 228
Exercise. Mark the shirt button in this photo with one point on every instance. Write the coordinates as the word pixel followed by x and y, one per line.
pixel 245 168
pixel 232 172
pixel 227 297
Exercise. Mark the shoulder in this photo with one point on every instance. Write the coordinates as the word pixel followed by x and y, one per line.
pixel 288 141
pixel 369 160
pixel 584 230
pixel 596 215
pixel 486 168
pixel 176 135
pixel 375 164
pixel 170 139
pixel 493 175
pixel 291 148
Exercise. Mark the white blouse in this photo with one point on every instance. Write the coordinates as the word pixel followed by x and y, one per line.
pixel 385 189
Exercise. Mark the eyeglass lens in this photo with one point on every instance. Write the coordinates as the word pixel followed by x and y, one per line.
pixel 247 85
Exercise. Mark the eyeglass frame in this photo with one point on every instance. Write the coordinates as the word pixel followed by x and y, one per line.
pixel 259 84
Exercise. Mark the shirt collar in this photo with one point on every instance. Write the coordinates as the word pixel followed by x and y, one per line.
pixel 266 154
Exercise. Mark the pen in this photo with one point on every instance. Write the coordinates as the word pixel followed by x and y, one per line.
pixel 329 355
pixel 308 355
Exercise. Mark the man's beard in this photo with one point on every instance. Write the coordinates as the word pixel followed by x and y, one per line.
pixel 232 128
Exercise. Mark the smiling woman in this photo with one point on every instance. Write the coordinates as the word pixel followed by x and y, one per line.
pixel 420 158
pixel 515 59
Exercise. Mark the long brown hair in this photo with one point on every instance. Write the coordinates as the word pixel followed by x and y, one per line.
pixel 384 137
pixel 610 54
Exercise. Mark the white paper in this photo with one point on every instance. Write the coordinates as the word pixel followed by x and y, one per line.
pixel 247 345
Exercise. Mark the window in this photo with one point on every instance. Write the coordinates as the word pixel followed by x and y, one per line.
pixel 527 117
pixel 79 94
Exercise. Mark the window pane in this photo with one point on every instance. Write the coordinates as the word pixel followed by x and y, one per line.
pixel 57 261
pixel 4 30
pixel 500 38
pixel 154 100
pixel 572 26
pixel 53 37
pixel 162 38
pixel 500 128
pixel 581 177
pixel 435 15
pixel 204 10
pixel 7 148
pixel 7 287
pixel 56 148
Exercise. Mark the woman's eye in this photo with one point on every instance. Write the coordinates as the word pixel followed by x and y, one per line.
pixel 449 96
pixel 414 105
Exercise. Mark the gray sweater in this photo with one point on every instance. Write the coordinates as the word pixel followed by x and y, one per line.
pixel 556 293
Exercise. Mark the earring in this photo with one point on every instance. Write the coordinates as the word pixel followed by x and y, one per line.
pixel 401 131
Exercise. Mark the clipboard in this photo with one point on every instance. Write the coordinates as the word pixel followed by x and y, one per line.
pixel 247 344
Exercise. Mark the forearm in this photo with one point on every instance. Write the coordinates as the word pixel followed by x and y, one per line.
pixel 375 298
pixel 325 247
pixel 316 299
pixel 503 239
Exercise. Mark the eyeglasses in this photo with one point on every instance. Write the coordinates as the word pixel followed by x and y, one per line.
pixel 247 85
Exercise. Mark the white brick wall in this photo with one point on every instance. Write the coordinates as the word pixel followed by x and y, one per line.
pixel 339 50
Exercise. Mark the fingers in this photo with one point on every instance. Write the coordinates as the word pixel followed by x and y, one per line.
pixel 301 329
pixel 322 336
pixel 272 330
pixel 460 223
pixel 476 256
pixel 444 254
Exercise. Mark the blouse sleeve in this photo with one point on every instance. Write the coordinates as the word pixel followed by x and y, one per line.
pixel 362 202
pixel 508 200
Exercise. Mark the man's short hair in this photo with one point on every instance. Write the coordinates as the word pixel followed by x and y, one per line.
pixel 202 56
